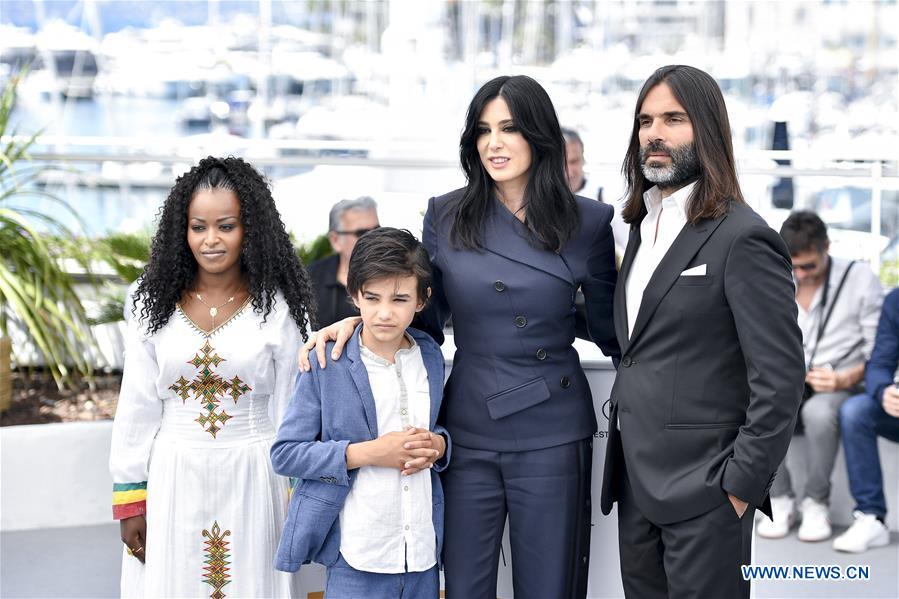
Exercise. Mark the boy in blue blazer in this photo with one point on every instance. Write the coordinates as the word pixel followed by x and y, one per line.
pixel 361 437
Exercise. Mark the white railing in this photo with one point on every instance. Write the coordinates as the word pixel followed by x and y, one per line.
pixel 170 156
pixel 264 151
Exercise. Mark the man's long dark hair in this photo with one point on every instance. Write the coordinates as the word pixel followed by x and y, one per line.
pixel 267 257
pixel 717 185
pixel 551 211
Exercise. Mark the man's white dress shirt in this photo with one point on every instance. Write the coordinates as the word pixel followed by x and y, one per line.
pixel 665 216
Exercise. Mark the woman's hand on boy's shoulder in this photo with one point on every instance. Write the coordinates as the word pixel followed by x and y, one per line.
pixel 339 332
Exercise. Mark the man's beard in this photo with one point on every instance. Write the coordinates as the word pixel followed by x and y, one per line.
pixel 684 166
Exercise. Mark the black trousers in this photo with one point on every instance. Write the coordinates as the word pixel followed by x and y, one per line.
pixel 698 558
pixel 546 495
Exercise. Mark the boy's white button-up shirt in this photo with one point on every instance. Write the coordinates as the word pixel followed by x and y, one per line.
pixel 386 524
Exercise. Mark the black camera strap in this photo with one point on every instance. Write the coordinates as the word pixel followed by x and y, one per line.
pixel 823 324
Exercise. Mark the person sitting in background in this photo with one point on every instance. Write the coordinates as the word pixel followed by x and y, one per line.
pixel 839 303
pixel 577 183
pixel 862 419
pixel 347 222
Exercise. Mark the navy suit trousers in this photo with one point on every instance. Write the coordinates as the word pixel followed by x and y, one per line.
pixel 546 495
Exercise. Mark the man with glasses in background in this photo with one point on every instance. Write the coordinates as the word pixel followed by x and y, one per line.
pixel 347 222
pixel 839 303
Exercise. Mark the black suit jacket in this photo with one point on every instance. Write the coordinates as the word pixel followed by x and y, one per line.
pixel 331 298
pixel 711 377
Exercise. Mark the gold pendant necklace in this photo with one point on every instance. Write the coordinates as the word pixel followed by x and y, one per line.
pixel 213 310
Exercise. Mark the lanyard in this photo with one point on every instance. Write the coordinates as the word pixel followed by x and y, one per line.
pixel 826 317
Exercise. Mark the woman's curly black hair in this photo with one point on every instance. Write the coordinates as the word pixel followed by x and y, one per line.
pixel 267 256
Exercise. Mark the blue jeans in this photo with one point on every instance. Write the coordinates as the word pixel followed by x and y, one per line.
pixel 345 582
pixel 862 420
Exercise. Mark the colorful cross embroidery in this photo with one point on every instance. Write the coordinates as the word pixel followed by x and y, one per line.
pixel 209 389
pixel 216 560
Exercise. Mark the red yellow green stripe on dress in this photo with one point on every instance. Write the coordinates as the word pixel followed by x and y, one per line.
pixel 129 499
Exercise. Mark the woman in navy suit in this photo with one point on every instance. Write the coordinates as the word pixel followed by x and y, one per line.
pixel 509 251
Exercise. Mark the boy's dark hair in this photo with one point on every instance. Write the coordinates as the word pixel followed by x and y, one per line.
pixel 389 252
pixel 804 231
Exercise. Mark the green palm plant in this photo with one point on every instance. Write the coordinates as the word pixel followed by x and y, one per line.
pixel 316 249
pixel 36 292
pixel 124 253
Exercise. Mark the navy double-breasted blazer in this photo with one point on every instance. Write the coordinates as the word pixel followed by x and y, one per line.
pixel 517 383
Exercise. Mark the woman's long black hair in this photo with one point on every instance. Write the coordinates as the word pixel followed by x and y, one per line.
pixel 267 257
pixel 551 211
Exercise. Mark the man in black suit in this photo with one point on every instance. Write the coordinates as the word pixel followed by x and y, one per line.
pixel 347 222
pixel 711 374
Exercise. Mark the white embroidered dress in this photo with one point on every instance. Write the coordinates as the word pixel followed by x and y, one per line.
pixel 196 418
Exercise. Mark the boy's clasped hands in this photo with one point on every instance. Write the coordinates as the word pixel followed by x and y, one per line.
pixel 411 450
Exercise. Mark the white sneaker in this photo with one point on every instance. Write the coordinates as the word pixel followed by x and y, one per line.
pixel 866 532
pixel 784 513
pixel 815 521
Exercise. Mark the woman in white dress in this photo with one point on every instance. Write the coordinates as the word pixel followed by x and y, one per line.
pixel 209 365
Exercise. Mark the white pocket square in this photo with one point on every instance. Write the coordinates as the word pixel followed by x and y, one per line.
pixel 696 271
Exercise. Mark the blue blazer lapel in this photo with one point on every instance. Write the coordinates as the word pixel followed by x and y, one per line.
pixel 432 357
pixel 360 379
pixel 688 242
pixel 507 236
